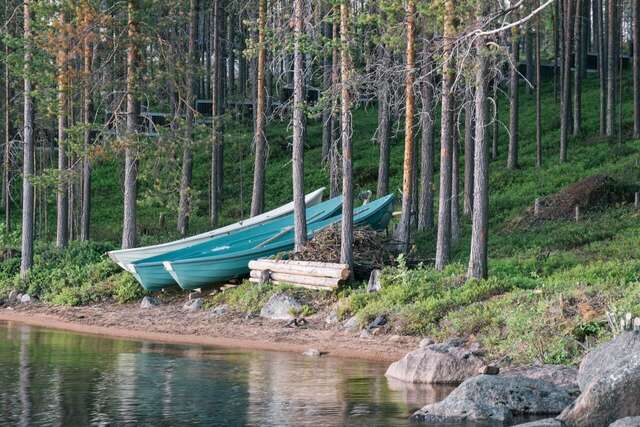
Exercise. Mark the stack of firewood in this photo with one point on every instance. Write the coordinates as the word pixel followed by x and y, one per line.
pixel 305 274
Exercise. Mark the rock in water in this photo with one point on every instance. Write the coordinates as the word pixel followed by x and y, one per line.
pixel 193 305
pixel 627 422
pixel 495 399
pixel 279 307
pixel 312 352
pixel 25 299
pixel 562 376
pixel 148 302
pixel 448 363
pixel 609 379
pixel 547 422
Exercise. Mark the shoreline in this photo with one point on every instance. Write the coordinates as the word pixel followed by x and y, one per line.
pixel 329 342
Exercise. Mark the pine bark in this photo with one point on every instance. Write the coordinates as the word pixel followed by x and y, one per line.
pixel 129 233
pixel 469 109
pixel 335 175
pixel 636 69
pixel 495 135
pixel 216 109
pixel 538 87
pixel 512 157
pixel 26 260
pixel 384 128
pixel 326 87
pixel 402 234
pixel 478 266
pixel 87 58
pixel 612 24
pixel 300 221
pixel 62 213
pixel 565 102
pixel 184 207
pixel 346 234
pixel 446 128
pixel 578 71
pixel 6 176
pixel 599 22
pixel 260 141
pixel 427 145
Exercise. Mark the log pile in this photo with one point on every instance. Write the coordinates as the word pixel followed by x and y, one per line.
pixel 305 274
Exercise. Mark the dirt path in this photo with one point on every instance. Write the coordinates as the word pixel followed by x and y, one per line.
pixel 171 324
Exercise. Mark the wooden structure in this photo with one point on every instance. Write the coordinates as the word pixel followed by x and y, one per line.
pixel 305 274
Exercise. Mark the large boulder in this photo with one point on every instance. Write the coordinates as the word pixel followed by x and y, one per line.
pixel 563 376
pixel 627 422
pixel 447 363
pixel 495 399
pixel 609 379
pixel 280 306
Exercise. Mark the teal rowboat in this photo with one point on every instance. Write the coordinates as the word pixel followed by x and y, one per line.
pixel 199 272
pixel 152 275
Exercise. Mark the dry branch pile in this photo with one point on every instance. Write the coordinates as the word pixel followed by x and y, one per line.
pixel 596 191
pixel 369 249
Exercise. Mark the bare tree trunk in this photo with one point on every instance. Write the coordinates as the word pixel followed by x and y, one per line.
pixel 636 69
pixel 62 213
pixel 479 229
pixel 425 210
pixel 402 233
pixel 300 220
pixel 129 233
pixel 26 260
pixel 455 184
pixel 384 127
pixel 495 136
pixel 538 98
pixel 600 19
pixel 184 208
pixel 565 104
pixel 512 158
pixel 216 125
pixel 257 197
pixel 468 151
pixel 326 87
pixel 446 128
pixel 346 235
pixel 578 61
pixel 334 152
pixel 87 57
pixel 231 55
pixel 7 137
pixel 611 65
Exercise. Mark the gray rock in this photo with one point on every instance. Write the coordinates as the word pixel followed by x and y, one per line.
pixel 279 307
pixel 148 302
pixel 374 284
pixel 609 379
pixel 219 310
pixel 547 422
pixel 380 320
pixel 312 352
pixel 627 422
pixel 351 324
pixel 436 364
pixel 562 376
pixel 496 399
pixel 332 318
pixel 193 305
pixel 25 299
pixel 13 297
pixel 425 342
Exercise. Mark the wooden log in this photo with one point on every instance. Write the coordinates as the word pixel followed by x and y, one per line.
pixel 298 279
pixel 304 268
pixel 299 285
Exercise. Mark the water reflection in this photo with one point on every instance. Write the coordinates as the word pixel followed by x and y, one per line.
pixel 59 378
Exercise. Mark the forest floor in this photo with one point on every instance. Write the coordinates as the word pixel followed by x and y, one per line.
pixel 170 323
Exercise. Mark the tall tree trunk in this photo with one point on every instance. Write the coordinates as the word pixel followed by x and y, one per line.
pixel 425 209
pixel 495 135
pixel 578 63
pixel 326 87
pixel 446 144
pixel 184 208
pixel 468 151
pixel 479 229
pixel 334 152
pixel 402 234
pixel 26 260
pixel 455 186
pixel 231 55
pixel 612 23
pixel 257 197
pixel 512 158
pixel 384 128
pixel 300 220
pixel 87 57
pixel 538 86
pixel 565 104
pixel 216 126
pixel 7 134
pixel 636 69
pixel 62 212
pixel 600 19
pixel 129 233
pixel 346 234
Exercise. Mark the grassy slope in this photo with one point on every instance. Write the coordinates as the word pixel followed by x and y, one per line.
pixel 549 284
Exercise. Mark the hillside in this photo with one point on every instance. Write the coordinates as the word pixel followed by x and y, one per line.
pixel 550 282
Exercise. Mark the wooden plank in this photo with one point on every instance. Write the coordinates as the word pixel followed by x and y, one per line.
pixel 337 271
pixel 299 285
pixel 298 279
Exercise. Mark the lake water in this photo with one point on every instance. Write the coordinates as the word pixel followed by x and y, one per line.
pixel 59 378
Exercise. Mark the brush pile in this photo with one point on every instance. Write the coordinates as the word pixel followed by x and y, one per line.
pixel 369 250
